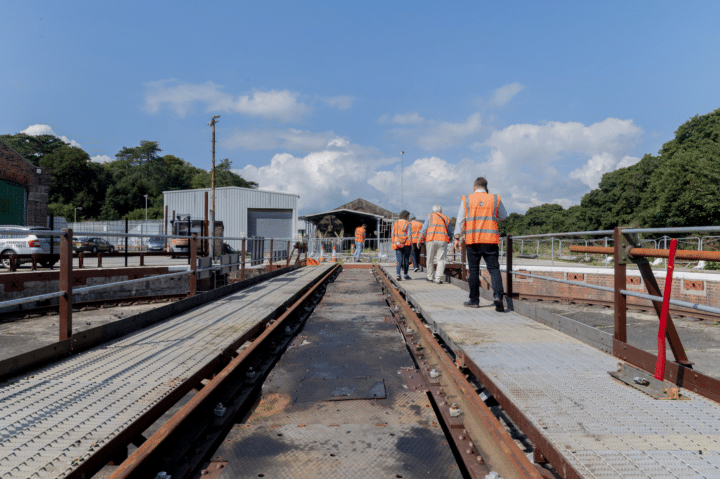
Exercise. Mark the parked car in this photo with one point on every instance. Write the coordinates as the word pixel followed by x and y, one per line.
pixel 155 243
pixel 24 243
pixel 93 245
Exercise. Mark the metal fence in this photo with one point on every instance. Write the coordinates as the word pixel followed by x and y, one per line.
pixel 141 230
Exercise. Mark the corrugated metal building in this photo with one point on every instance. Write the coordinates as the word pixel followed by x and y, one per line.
pixel 243 211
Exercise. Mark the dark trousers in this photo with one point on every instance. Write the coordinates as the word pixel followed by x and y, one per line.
pixel 491 254
pixel 402 256
pixel 416 255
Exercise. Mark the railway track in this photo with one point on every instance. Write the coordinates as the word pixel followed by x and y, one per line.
pixel 348 382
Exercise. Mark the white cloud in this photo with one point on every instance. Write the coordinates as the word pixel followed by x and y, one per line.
pixel 289 139
pixel 527 164
pixel 324 178
pixel 591 173
pixel 505 93
pixel 446 134
pixel 102 159
pixel 402 119
pixel 342 102
pixel 37 130
pixel 179 97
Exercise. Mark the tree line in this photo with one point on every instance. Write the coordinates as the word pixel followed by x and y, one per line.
pixel 115 190
pixel 680 186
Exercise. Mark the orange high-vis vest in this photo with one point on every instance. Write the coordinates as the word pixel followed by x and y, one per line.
pixel 437 228
pixel 359 234
pixel 400 235
pixel 416 227
pixel 481 210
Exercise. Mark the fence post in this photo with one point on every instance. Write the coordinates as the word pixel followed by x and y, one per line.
pixel 242 261
pixel 52 242
pixel 509 267
pixel 287 263
pixel 272 250
pixel 65 276
pixel 126 242
pixel 192 255
pixel 620 301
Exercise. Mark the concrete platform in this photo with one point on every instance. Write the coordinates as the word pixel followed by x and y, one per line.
pixel 602 427
pixel 54 419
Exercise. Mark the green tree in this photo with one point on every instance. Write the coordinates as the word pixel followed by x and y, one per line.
pixel 223 177
pixel 33 148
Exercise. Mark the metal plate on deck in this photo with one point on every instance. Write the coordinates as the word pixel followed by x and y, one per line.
pixel 340 389
pixel 317 450
pixel 646 382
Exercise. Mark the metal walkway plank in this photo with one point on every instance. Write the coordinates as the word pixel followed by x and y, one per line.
pixel 604 428
pixel 54 418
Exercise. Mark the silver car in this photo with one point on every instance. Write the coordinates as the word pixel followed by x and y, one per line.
pixel 23 241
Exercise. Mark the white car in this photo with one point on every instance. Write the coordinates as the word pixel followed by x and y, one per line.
pixel 24 243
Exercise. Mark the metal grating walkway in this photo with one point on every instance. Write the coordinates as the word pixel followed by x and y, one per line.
pixel 604 428
pixel 57 417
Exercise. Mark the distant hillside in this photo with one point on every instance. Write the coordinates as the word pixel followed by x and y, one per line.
pixel 678 187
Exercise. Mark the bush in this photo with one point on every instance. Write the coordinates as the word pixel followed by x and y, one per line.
pixel 712 265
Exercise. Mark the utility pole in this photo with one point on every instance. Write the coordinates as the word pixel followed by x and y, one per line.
pixel 212 186
pixel 402 170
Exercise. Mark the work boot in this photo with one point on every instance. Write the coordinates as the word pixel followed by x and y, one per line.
pixel 470 304
pixel 398 278
pixel 499 307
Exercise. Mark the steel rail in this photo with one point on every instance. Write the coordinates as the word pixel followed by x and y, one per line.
pixel 573 233
pixel 501 445
pixel 609 303
pixel 676 302
pixel 688 229
pixel 29 299
pixel 651 252
pixel 133 466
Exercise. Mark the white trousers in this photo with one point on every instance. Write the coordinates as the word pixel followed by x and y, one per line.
pixel 435 252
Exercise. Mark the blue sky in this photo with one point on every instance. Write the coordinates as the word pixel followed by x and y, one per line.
pixel 320 98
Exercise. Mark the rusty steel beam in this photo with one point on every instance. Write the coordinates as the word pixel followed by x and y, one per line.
pixel 66 284
pixel 620 299
pixel 544 449
pixel 134 465
pixel 498 442
pixel 652 253
pixel 678 374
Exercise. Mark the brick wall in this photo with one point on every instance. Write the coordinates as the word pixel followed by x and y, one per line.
pixel 16 169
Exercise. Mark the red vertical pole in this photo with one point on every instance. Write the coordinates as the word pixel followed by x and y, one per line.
pixel 662 330
pixel 242 261
pixel 66 263
pixel 192 243
pixel 166 221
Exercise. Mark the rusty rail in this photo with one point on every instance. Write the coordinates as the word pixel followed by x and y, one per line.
pixel 133 466
pixel 496 441
pixel 651 253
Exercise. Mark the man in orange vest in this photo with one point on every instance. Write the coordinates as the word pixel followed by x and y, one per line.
pixel 477 224
pixel 359 241
pixel 415 256
pixel 437 236
pixel 401 241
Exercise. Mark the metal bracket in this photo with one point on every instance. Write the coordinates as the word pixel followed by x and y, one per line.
pixel 625 244
pixel 645 382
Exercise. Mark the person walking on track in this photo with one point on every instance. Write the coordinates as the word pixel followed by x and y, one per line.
pixel 477 225
pixel 401 241
pixel 436 231
pixel 415 252
pixel 359 241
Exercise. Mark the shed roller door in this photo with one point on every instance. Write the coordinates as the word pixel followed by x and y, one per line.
pixel 270 223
